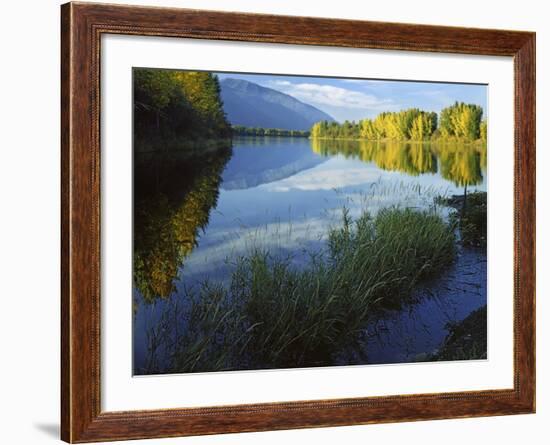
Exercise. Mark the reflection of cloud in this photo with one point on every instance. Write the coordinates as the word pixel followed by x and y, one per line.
pixel 331 95
pixel 331 175
pixel 296 234
pixel 295 230
pixel 275 237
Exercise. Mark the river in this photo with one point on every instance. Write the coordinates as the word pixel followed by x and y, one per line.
pixel 282 195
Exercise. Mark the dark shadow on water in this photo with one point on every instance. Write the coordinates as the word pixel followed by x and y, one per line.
pixel 49 429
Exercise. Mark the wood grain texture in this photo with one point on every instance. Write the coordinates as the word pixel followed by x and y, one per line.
pixel 82 26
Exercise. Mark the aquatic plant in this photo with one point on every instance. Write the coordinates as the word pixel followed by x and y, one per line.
pixel 273 315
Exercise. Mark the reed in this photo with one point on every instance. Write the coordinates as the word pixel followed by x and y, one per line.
pixel 273 315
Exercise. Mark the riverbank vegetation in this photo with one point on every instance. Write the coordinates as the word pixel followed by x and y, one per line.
pixel 459 122
pixel 173 109
pixel 240 130
pixel 272 315
pixel 467 340
pixel 470 216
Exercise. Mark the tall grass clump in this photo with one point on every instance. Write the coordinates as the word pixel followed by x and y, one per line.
pixel 396 249
pixel 274 315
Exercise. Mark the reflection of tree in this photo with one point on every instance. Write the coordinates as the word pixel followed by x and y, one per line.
pixel 413 159
pixel 167 219
pixel 423 160
pixel 482 156
pixel 462 164
pixel 406 157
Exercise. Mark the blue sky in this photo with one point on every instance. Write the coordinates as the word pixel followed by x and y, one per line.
pixel 355 99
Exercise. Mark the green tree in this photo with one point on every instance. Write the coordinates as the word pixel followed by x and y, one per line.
pixel 177 105
pixel 461 121
pixel 411 124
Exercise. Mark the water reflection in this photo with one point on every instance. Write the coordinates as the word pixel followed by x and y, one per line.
pixel 261 160
pixel 463 164
pixel 410 158
pixel 261 182
pixel 173 200
pixel 460 164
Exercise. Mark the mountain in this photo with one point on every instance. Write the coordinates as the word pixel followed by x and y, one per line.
pixel 249 104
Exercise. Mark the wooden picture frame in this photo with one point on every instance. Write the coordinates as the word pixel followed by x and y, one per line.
pixel 82 26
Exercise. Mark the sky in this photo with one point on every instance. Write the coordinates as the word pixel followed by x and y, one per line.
pixel 355 99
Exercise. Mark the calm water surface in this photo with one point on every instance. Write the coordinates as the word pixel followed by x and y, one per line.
pixel 283 194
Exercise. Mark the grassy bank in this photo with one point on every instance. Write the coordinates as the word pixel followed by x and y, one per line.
pixel 467 340
pixel 273 315
pixel 470 216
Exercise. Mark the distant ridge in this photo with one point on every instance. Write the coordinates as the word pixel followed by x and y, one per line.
pixel 249 104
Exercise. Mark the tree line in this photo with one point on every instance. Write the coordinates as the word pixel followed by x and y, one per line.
pixel 182 105
pixel 241 130
pixel 459 121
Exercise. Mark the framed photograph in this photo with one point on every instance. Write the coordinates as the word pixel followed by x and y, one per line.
pixel 274 222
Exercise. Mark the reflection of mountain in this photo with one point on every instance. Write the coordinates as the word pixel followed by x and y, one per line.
pixel 252 105
pixel 168 217
pixel 259 161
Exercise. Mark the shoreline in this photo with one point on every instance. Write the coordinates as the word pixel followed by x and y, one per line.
pixel 443 141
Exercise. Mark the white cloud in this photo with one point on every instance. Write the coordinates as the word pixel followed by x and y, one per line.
pixel 332 96
pixel 281 83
